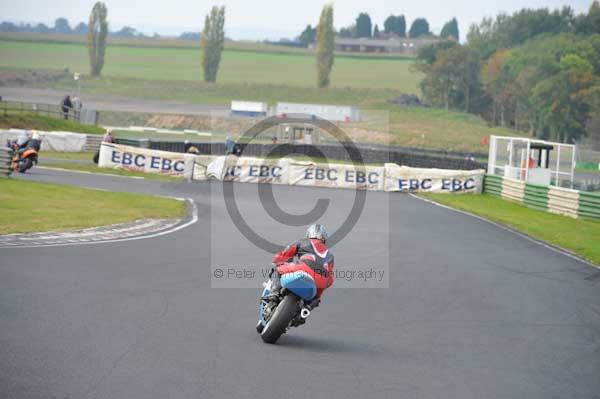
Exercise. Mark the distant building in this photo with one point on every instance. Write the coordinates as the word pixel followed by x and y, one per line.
pixel 399 45
pixel 332 113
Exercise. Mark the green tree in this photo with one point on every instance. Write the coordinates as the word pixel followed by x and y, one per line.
pixel 325 46
pixel 61 25
pixel 376 33
pixel 590 23
pixel 363 25
pixel 97 31
pixel 497 85
pixel 450 29
pixel 308 35
pixel 419 27
pixel 349 31
pixel 564 99
pixel 213 39
pixel 451 75
pixel 395 24
pixel 507 31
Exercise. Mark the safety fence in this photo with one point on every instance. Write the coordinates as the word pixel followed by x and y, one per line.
pixel 5 162
pixel 563 201
pixel 82 115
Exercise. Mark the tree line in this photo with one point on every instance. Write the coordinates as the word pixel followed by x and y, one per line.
pixel 62 26
pixel 536 70
pixel 394 25
pixel 212 42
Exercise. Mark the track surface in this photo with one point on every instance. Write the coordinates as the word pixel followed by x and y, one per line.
pixel 472 311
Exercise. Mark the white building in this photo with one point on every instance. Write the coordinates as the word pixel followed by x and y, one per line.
pixel 332 113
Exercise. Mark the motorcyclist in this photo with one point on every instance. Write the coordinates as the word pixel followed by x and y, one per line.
pixel 21 143
pixel 314 258
pixel 35 142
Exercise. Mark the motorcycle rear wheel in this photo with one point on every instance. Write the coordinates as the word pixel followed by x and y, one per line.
pixel 278 323
pixel 25 165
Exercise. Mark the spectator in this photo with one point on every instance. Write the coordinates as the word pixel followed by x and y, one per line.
pixel 66 106
pixel 229 145
pixel 108 137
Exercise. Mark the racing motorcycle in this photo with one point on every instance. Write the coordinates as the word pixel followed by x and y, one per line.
pixel 23 159
pixel 288 307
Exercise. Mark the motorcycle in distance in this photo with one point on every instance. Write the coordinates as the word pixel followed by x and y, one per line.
pixel 24 158
pixel 290 307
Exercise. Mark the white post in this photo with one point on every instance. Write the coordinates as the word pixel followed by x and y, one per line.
pixel 527 160
pixel 510 156
pixel 492 156
pixel 557 166
pixel 573 162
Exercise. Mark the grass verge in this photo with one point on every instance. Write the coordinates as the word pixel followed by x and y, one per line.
pixel 120 172
pixel 23 120
pixel 33 207
pixel 70 156
pixel 577 235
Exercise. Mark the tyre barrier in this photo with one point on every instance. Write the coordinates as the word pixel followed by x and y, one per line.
pixel 562 201
pixel 5 162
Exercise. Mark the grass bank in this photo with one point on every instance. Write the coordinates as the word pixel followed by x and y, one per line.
pixel 577 235
pixel 34 207
pixel 24 120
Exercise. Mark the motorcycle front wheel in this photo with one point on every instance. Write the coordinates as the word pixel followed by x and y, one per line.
pixel 280 320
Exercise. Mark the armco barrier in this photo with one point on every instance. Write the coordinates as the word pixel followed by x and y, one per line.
pixel 5 162
pixel 557 200
pixel 369 154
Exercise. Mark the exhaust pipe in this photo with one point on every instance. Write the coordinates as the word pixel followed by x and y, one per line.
pixel 304 313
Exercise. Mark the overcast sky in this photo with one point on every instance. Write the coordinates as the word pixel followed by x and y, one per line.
pixel 260 19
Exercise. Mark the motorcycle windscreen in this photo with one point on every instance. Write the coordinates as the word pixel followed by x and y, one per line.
pixel 301 284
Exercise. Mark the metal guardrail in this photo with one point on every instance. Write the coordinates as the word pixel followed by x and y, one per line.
pixel 35 108
pixel 5 162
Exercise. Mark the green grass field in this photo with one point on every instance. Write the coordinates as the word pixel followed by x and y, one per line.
pixel 259 73
pixel 69 208
pixel 577 235
pixel 237 66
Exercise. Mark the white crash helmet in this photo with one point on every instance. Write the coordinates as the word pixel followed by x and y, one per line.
pixel 24 137
pixel 317 231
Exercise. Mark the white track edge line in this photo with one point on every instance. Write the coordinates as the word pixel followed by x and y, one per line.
pixel 153 235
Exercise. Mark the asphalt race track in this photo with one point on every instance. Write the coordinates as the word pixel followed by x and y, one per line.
pixel 472 310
